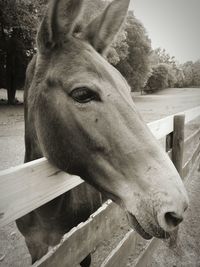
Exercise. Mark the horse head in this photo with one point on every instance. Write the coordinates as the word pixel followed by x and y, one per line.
pixel 87 124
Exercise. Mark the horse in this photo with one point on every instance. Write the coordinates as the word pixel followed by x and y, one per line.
pixel 80 115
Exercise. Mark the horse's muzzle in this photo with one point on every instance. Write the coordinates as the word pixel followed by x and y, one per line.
pixel 157 232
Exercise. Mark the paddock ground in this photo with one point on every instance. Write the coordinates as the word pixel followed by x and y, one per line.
pixel 186 252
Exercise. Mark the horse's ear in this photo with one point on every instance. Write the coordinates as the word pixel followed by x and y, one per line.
pixel 58 23
pixel 103 29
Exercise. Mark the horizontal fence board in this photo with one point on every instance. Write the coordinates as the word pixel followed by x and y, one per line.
pixel 191 114
pixel 163 127
pixel 145 258
pixel 83 239
pixel 27 187
pixel 31 185
pixel 189 164
pixel 119 256
pixel 192 138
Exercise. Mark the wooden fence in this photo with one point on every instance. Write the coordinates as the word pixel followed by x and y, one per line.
pixel 29 186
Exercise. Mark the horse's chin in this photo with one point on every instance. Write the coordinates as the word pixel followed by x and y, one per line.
pixel 155 232
pixel 159 233
pixel 136 226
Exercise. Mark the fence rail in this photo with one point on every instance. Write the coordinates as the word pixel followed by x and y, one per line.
pixel 44 182
pixel 29 186
pixel 102 223
pixel 165 126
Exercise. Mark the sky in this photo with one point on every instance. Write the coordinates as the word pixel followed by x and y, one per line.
pixel 171 24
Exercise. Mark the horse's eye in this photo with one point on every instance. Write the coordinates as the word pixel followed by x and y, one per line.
pixel 84 95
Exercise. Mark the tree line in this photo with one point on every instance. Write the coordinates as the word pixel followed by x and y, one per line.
pixel 131 53
pixel 166 72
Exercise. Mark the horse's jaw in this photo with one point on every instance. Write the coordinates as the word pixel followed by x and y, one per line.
pixel 141 192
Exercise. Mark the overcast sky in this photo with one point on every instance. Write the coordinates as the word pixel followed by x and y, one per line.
pixel 172 24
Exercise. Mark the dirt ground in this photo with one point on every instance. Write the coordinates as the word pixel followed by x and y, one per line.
pixel 13 251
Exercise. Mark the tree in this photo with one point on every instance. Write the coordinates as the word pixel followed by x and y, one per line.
pixel 119 50
pixel 180 76
pixel 196 73
pixel 192 73
pixel 188 73
pixel 136 66
pixel 18 20
pixel 160 55
pixel 162 77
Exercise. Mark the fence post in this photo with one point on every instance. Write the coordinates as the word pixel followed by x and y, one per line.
pixel 178 142
pixel 177 157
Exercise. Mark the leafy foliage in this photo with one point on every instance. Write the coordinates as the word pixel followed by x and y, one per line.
pixel 162 77
pixel 160 55
pixel 136 66
pixel 192 73
pixel 196 73
pixel 119 50
pixel 185 75
pixel 18 20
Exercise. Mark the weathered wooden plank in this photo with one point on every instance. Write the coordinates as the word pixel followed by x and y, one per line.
pixel 191 114
pixel 81 240
pixel 119 256
pixel 146 257
pixel 192 138
pixel 178 142
pixel 189 164
pixel 27 187
pixel 163 127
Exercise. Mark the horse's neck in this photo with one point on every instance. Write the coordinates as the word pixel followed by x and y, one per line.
pixel 85 197
pixel 32 150
pixel 70 209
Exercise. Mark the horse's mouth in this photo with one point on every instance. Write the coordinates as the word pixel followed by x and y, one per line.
pixel 136 225
pixel 156 231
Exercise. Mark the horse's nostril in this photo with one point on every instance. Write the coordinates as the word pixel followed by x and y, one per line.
pixel 173 219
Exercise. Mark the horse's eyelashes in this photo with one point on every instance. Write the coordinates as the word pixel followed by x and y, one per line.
pixel 84 95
